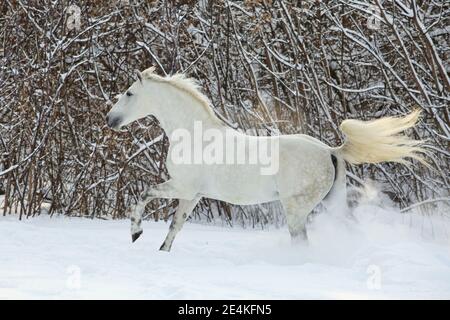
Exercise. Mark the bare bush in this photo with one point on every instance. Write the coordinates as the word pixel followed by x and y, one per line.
pixel 277 66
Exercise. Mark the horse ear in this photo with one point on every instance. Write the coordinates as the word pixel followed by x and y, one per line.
pixel 149 71
pixel 138 75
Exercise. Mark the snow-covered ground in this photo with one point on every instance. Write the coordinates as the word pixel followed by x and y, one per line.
pixel 384 255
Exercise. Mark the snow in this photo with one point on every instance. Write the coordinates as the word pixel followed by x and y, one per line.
pixel 382 255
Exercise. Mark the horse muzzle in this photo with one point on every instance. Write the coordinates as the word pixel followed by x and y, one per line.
pixel 113 121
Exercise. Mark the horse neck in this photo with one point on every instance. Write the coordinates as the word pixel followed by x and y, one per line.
pixel 179 110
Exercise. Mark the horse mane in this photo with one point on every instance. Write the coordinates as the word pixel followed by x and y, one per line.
pixel 183 83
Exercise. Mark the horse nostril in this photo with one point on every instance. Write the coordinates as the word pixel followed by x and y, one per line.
pixel 113 122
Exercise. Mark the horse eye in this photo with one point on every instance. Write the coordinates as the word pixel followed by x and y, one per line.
pixel 129 94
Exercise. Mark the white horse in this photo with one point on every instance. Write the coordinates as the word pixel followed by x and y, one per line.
pixel 308 170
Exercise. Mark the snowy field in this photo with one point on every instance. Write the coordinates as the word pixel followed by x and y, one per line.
pixel 384 255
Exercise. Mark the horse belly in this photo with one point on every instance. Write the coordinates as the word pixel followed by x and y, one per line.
pixel 240 185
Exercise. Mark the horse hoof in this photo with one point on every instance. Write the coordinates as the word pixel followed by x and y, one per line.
pixel 300 241
pixel 136 235
pixel 164 248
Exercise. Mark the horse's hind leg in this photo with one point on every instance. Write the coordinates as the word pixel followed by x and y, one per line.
pixel 297 209
pixel 184 209
pixel 336 199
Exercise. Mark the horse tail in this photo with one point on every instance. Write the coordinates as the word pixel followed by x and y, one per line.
pixel 381 140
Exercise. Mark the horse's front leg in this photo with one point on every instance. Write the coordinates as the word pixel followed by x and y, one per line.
pixel 164 190
pixel 183 211
pixel 136 219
